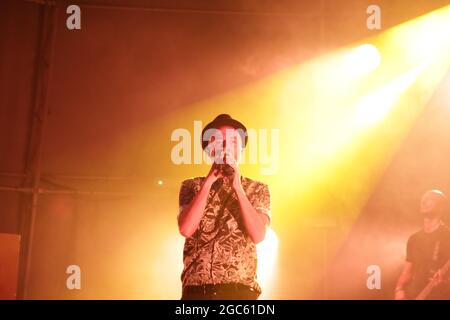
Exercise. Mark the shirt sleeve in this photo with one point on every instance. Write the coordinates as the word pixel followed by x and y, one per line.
pixel 187 193
pixel 262 201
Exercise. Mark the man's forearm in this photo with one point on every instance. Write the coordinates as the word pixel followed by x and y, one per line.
pixel 403 280
pixel 190 217
pixel 253 222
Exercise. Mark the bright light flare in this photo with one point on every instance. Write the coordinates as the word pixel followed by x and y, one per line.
pixel 363 59
pixel 267 253
pixel 376 106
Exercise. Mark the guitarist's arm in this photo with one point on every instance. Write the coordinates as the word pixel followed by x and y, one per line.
pixel 403 280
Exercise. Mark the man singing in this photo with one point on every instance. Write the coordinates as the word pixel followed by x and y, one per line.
pixel 427 252
pixel 222 216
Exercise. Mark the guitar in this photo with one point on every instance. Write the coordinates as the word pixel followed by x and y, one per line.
pixel 433 283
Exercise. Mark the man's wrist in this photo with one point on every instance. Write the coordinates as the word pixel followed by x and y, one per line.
pixel 208 182
pixel 398 289
pixel 239 190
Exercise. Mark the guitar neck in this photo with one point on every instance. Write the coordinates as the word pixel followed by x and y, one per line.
pixel 426 291
pixel 430 286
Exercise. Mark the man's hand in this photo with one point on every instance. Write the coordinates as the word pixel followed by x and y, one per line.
pixel 235 179
pixel 213 174
pixel 439 277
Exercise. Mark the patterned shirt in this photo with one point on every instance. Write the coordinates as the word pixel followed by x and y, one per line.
pixel 220 250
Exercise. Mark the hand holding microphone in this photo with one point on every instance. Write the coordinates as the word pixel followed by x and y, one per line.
pixel 225 168
pixel 222 168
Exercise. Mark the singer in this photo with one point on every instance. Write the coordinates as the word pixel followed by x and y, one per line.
pixel 222 216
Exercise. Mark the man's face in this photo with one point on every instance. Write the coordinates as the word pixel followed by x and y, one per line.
pixel 432 204
pixel 226 143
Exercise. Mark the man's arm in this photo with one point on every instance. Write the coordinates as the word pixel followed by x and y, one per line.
pixel 403 280
pixel 189 218
pixel 255 223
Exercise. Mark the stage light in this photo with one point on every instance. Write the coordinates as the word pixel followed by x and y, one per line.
pixel 363 59
pixel 421 39
pixel 375 106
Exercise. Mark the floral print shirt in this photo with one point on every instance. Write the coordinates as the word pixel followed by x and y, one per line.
pixel 221 251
